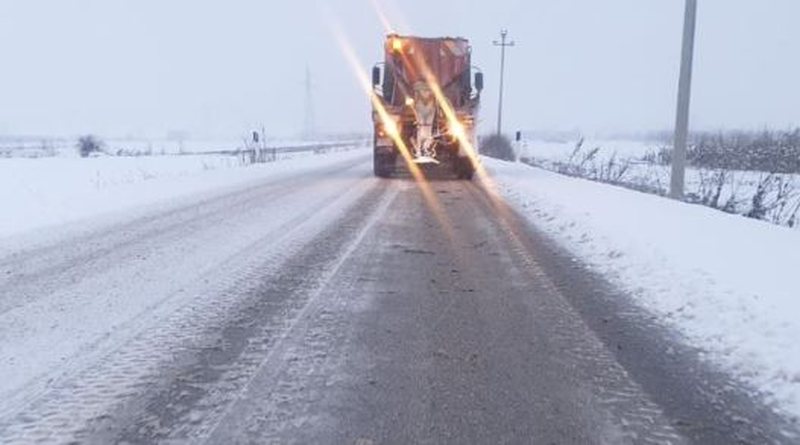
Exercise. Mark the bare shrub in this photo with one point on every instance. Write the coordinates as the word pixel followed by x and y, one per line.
pixel 89 144
pixel 709 189
pixel 772 197
pixel 661 156
pixel 767 151
pixel 613 171
pixel 792 220
pixel 497 146
pixel 585 164
pixel 576 150
pixel 784 202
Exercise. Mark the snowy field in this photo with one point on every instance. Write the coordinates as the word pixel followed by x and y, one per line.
pixel 561 150
pixel 39 192
pixel 726 282
pixel 43 147
pixel 33 147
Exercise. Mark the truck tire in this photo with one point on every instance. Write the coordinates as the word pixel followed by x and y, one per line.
pixel 464 168
pixel 382 165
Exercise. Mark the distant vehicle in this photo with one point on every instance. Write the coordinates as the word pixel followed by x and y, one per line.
pixel 417 76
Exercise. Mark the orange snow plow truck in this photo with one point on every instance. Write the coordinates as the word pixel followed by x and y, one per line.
pixel 411 122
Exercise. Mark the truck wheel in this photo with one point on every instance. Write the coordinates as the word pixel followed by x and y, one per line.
pixel 464 168
pixel 382 165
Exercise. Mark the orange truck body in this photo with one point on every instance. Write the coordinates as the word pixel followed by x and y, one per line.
pixel 403 85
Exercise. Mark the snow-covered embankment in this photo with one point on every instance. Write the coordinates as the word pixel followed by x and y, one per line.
pixel 48 192
pixel 726 282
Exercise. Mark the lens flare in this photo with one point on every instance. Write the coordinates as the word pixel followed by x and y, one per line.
pixel 491 192
pixel 398 24
pixel 457 130
pixel 387 27
pixel 452 118
pixel 463 138
pixel 392 130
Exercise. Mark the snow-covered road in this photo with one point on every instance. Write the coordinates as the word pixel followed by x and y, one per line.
pixel 315 303
pixel 69 302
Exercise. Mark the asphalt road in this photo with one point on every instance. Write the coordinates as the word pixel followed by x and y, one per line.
pixel 341 308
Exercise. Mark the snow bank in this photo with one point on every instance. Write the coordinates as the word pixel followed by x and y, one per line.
pixel 728 283
pixel 43 192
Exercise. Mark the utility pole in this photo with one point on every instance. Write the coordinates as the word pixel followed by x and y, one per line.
pixel 308 123
pixel 684 96
pixel 502 44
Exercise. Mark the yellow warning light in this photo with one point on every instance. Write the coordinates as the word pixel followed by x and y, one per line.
pixel 391 126
pixel 397 45
pixel 457 130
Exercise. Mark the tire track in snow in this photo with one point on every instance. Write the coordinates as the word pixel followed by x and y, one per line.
pixel 85 392
pixel 628 408
pixel 31 273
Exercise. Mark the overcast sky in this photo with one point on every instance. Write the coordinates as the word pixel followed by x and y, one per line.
pixel 215 68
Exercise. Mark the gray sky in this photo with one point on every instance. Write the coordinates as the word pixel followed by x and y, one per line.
pixel 217 68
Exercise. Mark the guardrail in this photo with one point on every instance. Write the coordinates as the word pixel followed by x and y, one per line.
pixel 279 149
pixel 270 153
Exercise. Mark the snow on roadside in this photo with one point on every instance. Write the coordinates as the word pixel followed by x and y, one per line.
pixel 773 197
pixel 728 283
pixel 561 150
pixel 45 192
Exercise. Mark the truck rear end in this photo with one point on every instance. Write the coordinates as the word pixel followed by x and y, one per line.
pixel 419 82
